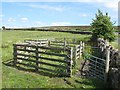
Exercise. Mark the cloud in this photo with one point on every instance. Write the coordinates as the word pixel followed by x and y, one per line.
pixel 1 15
pixel 24 19
pixel 38 23
pixel 11 20
pixel 111 5
pixel 83 15
pixel 60 23
pixel 47 7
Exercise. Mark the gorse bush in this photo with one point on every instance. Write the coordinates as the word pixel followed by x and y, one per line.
pixel 102 27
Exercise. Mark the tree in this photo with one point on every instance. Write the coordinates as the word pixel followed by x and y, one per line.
pixel 102 27
pixel 3 27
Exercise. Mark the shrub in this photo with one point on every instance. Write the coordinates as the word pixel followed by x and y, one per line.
pixel 102 27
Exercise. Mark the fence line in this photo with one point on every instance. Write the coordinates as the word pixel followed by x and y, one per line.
pixel 20 54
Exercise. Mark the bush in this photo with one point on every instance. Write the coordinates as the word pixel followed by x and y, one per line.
pixel 102 27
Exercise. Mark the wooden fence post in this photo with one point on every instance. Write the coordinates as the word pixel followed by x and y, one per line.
pixel 15 54
pixel 80 49
pixel 83 45
pixel 64 44
pixel 36 52
pixel 71 60
pixel 107 64
pixel 49 42
pixel 75 53
pixel 69 70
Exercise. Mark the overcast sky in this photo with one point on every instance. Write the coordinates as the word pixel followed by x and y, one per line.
pixel 35 14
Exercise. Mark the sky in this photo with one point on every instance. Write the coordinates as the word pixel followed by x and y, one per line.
pixel 36 13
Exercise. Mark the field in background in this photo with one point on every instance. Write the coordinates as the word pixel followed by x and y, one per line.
pixel 14 78
pixel 60 28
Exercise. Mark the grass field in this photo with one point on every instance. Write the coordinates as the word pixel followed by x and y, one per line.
pixel 14 78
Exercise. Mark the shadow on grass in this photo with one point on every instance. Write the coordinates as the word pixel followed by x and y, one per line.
pixel 41 72
pixel 94 82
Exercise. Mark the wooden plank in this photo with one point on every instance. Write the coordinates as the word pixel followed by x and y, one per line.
pixel 25 50
pixel 51 59
pixel 43 47
pixel 41 68
pixel 55 54
pixel 78 50
pixel 26 59
pixel 57 41
pixel 53 48
pixel 20 54
pixel 28 65
pixel 57 44
pixel 77 57
pixel 36 66
pixel 58 66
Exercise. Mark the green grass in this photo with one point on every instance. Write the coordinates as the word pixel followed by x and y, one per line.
pixel 14 78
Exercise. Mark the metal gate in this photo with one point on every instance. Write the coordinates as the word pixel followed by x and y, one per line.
pixel 96 67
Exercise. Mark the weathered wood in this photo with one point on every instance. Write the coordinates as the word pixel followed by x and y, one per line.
pixel 75 53
pixel 51 53
pixel 80 49
pixel 107 64
pixel 28 65
pixel 60 44
pixel 15 54
pixel 25 50
pixel 69 70
pixel 42 47
pixel 36 53
pixel 51 59
pixel 24 59
pixel 37 46
pixel 20 54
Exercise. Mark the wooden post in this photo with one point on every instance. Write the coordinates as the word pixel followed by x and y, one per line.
pixel 107 64
pixel 71 61
pixel 80 49
pixel 75 53
pixel 64 44
pixel 83 45
pixel 36 52
pixel 49 42
pixel 69 70
pixel 15 54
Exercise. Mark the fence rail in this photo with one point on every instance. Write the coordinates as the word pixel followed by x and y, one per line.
pixel 21 52
pixel 36 51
